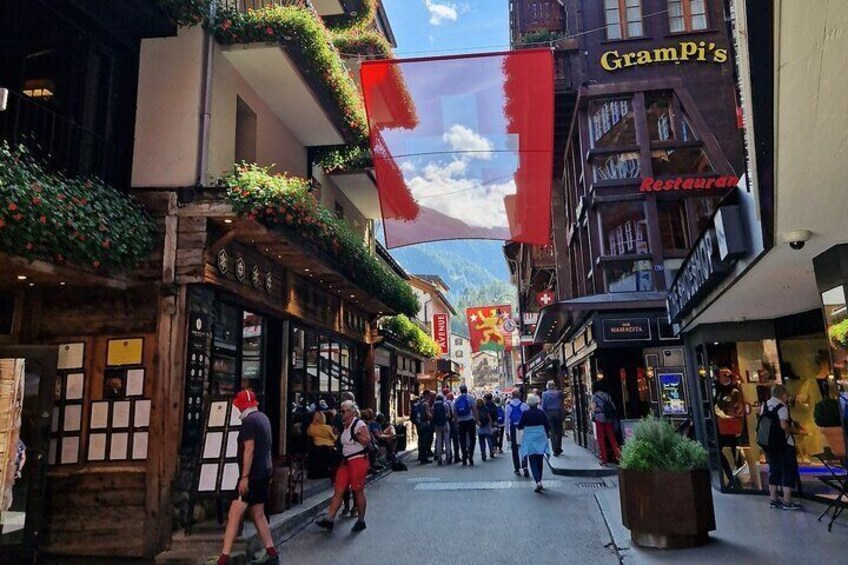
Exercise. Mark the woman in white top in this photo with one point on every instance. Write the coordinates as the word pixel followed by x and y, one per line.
pixel 355 440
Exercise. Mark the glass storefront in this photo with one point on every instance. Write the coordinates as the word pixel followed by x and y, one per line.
pixel 237 351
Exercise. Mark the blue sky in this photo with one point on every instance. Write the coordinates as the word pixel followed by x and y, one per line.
pixel 441 27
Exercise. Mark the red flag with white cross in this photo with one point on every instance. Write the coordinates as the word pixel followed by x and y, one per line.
pixel 545 298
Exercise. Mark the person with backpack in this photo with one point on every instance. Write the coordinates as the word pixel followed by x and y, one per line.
pixel 512 416
pixel 604 414
pixel 454 428
pixel 441 426
pixel 465 415
pixel 484 429
pixel 489 403
pixel 775 430
pixel 552 406
pixel 422 418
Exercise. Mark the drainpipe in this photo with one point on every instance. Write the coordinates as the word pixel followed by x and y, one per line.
pixel 206 101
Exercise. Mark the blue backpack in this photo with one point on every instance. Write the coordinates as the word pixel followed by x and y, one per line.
pixel 501 416
pixel 515 414
pixel 462 406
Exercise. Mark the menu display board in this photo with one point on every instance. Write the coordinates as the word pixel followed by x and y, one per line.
pixel 673 394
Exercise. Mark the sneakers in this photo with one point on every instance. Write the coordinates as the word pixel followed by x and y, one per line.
pixel 325 523
pixel 775 504
pixel 539 487
pixel 517 472
pixel 471 462
pixel 790 506
pixel 358 527
pixel 526 473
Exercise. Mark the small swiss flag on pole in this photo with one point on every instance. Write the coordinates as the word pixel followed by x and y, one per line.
pixel 545 298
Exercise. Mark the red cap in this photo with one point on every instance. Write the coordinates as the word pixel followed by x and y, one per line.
pixel 245 399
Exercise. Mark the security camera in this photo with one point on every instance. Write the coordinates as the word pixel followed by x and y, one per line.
pixel 796 239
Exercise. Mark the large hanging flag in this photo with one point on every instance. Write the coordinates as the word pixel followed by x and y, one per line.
pixel 463 146
pixel 491 328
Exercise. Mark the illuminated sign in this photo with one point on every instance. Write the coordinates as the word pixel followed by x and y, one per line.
pixel 650 184
pixel 701 52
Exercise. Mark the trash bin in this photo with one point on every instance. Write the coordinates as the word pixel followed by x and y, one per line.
pixel 400 434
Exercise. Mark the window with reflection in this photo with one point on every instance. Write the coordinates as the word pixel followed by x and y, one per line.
pixel 616 166
pixel 702 209
pixel 674 229
pixel 629 276
pixel 660 112
pixel 624 228
pixel 836 320
pixel 680 161
pixel 612 122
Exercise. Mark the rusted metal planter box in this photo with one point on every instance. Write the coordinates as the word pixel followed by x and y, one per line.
pixel 663 509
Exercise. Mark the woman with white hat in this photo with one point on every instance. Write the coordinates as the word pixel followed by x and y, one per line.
pixel 535 444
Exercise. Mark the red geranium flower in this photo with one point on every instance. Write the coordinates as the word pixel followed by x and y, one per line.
pixel 43 219
pixel 13 206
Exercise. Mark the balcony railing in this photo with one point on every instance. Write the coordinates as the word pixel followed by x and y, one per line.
pixel 245 5
pixel 62 144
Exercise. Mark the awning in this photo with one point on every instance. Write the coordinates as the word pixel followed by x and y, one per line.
pixel 556 319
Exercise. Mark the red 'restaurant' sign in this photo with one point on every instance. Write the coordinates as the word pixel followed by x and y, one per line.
pixel 440 332
pixel 650 184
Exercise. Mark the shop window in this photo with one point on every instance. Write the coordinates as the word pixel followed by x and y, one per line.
pixel 612 122
pixel 616 166
pixel 629 276
pixel 674 230
pixel 660 112
pixel 623 18
pixel 624 228
pixel 7 312
pixel 225 344
pixel 458 354
pixel 251 352
pixel 836 321
pixel 245 132
pixel 680 161
pixel 702 209
pixel 687 15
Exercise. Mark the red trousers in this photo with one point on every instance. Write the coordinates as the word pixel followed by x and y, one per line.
pixel 606 430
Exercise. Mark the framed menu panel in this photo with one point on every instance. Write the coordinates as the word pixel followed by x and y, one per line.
pixel 66 427
pixel 119 430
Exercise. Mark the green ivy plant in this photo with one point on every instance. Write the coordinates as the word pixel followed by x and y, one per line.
pixel 838 333
pixel 186 13
pixel 656 446
pixel 81 221
pixel 344 158
pixel 287 202
pixel 360 16
pixel 403 331
pixel 297 27
pixel 364 42
pixel 541 36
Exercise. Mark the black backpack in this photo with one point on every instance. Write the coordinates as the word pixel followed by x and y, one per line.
pixel 770 436
pixel 483 416
pixel 440 414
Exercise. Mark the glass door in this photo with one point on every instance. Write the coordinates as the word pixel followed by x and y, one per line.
pixel 27 382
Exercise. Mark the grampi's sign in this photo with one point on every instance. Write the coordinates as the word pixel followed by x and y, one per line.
pixel 700 52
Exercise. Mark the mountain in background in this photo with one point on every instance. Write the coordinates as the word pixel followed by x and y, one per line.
pixel 475 271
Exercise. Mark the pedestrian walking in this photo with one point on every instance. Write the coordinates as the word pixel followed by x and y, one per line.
pixel 552 406
pixel 441 427
pixel 484 429
pixel 775 431
pixel 355 441
pixel 454 429
pixel 422 417
pixel 255 470
pixel 534 444
pixel 492 409
pixel 465 414
pixel 500 422
pixel 514 409
pixel 604 414
pixel 337 422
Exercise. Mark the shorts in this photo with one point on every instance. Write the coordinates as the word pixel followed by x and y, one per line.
pixel 352 474
pixel 783 468
pixel 258 491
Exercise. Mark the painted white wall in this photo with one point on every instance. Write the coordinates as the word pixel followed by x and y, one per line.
pixel 460 352
pixel 168 110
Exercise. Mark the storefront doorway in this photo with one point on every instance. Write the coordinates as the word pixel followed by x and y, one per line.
pixel 27 387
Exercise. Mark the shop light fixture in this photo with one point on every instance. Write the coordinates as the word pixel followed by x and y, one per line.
pixel 228 221
pixel 702 371
pixel 31 284
pixel 650 372
pixel 305 270
pixel 63 283
pixel 353 296
pixel 22 277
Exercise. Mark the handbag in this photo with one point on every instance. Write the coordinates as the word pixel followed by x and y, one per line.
pixel 729 426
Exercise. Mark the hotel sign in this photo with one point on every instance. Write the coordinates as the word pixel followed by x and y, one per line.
pixel 685 51
pixel 717 249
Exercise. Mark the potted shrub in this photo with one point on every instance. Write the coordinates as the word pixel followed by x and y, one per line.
pixel 666 496
pixel 827 417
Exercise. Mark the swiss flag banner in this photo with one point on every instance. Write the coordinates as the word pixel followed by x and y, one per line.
pixel 491 328
pixel 545 298
pixel 463 146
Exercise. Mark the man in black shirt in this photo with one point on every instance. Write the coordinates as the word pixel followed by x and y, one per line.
pixel 255 469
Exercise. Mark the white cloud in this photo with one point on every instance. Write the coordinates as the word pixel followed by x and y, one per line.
pixel 446 188
pixel 463 139
pixel 443 12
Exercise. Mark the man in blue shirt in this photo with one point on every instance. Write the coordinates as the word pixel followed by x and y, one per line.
pixel 552 406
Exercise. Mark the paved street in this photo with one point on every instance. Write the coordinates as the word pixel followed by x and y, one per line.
pixel 481 515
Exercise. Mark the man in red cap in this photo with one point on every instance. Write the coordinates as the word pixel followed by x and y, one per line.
pixel 255 469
